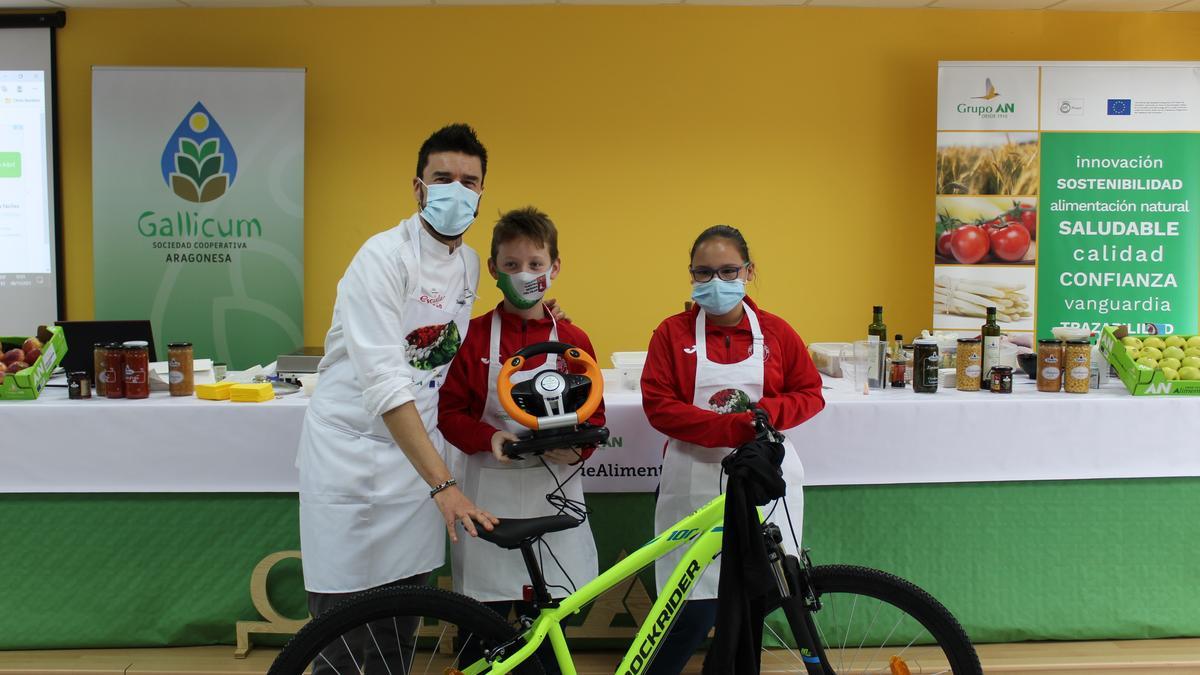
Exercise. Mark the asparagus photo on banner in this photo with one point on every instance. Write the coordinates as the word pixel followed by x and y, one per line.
pixel 968 297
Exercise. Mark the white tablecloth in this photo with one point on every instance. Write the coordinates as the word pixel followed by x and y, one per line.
pixel 165 444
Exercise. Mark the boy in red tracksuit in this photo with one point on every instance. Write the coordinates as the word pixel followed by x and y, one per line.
pixel 524 261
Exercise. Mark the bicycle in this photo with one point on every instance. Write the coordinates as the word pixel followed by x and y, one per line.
pixel 917 633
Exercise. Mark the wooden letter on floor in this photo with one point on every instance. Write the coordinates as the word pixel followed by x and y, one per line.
pixel 275 624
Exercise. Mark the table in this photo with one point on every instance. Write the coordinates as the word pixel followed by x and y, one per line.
pixel 149 537
pixel 165 444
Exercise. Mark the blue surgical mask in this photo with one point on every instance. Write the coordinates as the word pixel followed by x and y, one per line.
pixel 449 207
pixel 718 296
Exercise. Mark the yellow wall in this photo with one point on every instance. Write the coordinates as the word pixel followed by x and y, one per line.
pixel 810 129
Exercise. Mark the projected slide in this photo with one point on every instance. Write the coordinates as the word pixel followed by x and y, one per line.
pixel 26 236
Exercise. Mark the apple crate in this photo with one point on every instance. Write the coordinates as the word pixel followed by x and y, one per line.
pixel 1140 380
pixel 27 384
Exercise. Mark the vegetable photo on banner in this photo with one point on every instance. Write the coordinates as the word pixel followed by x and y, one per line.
pixel 985 230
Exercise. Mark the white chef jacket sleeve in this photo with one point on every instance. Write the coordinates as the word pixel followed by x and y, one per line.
pixel 372 295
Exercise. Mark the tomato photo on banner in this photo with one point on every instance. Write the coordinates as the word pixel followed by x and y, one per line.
pixel 985 230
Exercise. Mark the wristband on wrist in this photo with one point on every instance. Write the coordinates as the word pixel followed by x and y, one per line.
pixel 441 486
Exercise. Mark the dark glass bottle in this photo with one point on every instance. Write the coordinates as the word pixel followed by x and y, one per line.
pixel 991 344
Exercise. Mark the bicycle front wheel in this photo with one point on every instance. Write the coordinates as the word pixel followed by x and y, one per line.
pixel 873 622
pixel 400 630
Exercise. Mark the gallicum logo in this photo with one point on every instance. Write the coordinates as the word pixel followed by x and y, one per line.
pixel 987 110
pixel 199 164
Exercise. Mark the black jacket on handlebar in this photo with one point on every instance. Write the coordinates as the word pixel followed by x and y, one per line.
pixel 755 479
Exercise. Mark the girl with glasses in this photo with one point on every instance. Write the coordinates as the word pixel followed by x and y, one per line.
pixel 705 368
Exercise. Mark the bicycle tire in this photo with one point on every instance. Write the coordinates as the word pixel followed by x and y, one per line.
pixel 902 595
pixel 469 616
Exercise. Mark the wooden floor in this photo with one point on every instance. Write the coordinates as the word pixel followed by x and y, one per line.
pixel 1139 657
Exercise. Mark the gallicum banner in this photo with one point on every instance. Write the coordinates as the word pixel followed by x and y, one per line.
pixel 198 207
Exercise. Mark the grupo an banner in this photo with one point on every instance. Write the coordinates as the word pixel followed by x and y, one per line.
pixel 198 218
pixel 1064 195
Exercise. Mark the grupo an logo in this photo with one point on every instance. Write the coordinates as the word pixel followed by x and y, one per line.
pixel 199 163
pixel 987 109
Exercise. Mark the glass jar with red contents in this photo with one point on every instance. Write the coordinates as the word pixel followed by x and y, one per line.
pixel 137 369
pixel 114 371
pixel 99 351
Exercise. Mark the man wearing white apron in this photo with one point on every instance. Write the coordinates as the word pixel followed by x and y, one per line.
pixel 524 261
pixel 702 404
pixel 376 496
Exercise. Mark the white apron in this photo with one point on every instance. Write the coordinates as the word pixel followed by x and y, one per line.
pixel 518 489
pixel 692 475
pixel 366 518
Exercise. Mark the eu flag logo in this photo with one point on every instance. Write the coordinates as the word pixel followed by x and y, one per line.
pixel 1119 106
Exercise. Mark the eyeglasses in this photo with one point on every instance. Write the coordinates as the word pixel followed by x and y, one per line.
pixel 728 273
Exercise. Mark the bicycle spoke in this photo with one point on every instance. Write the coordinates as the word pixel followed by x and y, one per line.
pixel 458 656
pixel 885 640
pixel 820 633
pixel 866 634
pixel 330 664
pixel 382 658
pixel 403 661
pixel 910 642
pixel 849 623
pixel 785 646
pixel 833 609
pixel 357 668
pixel 435 647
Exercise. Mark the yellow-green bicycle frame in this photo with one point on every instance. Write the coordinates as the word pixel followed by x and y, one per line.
pixel 703 529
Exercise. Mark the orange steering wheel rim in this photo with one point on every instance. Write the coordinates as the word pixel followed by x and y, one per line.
pixel 574 356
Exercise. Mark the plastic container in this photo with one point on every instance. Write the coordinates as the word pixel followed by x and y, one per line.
pixel 27 384
pixel 630 364
pixel 308 383
pixel 827 357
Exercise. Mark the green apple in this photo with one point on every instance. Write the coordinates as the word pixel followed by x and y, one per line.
pixel 1130 341
pixel 1169 362
pixel 1192 351
pixel 1152 352
pixel 1194 341
pixel 1173 353
pixel 1147 362
pixel 1189 373
pixel 1155 342
pixel 1171 373
pixel 1191 361
pixel 1134 352
pixel 1175 341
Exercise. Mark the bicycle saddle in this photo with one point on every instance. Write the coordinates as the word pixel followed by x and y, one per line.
pixel 512 531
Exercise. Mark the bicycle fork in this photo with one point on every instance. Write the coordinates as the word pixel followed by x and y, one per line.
pixel 797 599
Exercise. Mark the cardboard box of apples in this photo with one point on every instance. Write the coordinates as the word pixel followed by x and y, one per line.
pixel 27 363
pixel 1153 365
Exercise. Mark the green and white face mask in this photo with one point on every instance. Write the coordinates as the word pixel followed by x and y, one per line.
pixel 524 289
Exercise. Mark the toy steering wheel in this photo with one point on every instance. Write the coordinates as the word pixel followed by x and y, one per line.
pixel 555 406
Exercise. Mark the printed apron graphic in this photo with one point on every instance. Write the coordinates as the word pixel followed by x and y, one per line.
pixel 430 347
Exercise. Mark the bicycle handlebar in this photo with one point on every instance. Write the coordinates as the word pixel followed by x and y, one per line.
pixel 763 430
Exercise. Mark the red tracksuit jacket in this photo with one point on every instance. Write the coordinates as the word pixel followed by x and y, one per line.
pixel 791 386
